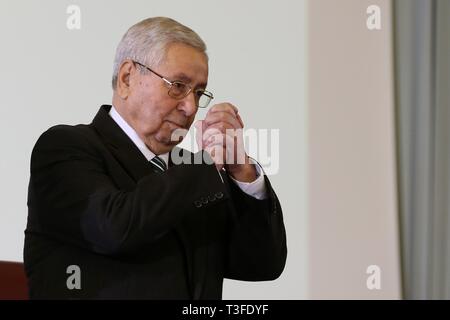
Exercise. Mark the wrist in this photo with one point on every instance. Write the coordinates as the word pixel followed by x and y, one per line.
pixel 242 172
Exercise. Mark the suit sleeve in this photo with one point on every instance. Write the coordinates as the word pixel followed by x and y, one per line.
pixel 257 246
pixel 73 199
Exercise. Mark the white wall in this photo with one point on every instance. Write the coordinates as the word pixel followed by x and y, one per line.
pixel 51 75
pixel 339 221
pixel 352 199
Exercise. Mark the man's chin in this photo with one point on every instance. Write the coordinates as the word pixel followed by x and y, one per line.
pixel 177 135
pixel 167 144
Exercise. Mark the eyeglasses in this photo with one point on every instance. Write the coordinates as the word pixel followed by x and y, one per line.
pixel 179 90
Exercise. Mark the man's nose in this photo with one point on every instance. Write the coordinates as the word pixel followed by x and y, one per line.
pixel 189 104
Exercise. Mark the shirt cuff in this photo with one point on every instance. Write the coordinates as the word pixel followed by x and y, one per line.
pixel 257 188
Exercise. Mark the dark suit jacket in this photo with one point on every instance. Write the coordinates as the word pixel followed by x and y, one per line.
pixel 95 202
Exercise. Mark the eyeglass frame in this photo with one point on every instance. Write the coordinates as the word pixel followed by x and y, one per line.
pixel 171 83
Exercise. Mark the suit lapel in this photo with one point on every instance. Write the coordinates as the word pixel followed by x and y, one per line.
pixel 123 148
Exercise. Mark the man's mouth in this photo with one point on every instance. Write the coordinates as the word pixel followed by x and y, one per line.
pixel 176 124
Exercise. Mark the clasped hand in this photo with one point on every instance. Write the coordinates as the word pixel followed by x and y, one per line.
pixel 221 135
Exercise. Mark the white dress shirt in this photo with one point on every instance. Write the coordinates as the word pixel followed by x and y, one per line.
pixel 256 189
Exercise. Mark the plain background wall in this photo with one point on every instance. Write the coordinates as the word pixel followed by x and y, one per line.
pixel 51 75
pixel 352 198
pixel 337 176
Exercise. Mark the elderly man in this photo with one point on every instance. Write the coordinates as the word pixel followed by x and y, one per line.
pixel 113 216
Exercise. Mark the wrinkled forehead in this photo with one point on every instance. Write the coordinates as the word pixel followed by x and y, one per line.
pixel 185 63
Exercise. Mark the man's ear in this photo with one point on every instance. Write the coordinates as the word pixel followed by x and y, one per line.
pixel 123 79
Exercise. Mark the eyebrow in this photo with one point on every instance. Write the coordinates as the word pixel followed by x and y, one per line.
pixel 183 77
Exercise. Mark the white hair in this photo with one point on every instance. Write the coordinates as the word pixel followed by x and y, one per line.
pixel 148 40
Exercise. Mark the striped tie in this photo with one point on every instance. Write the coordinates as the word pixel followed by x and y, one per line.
pixel 158 164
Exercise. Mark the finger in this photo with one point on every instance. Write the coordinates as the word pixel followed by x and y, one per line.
pixel 228 144
pixel 220 140
pixel 217 153
pixel 210 132
pixel 198 125
pixel 238 116
pixel 217 117
pixel 223 128
pixel 226 107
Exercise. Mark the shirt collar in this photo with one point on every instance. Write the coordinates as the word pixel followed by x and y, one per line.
pixel 131 133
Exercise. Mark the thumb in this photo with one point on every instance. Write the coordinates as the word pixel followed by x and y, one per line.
pixel 198 125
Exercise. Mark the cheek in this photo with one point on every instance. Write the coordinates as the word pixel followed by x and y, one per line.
pixel 151 108
pixel 149 117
